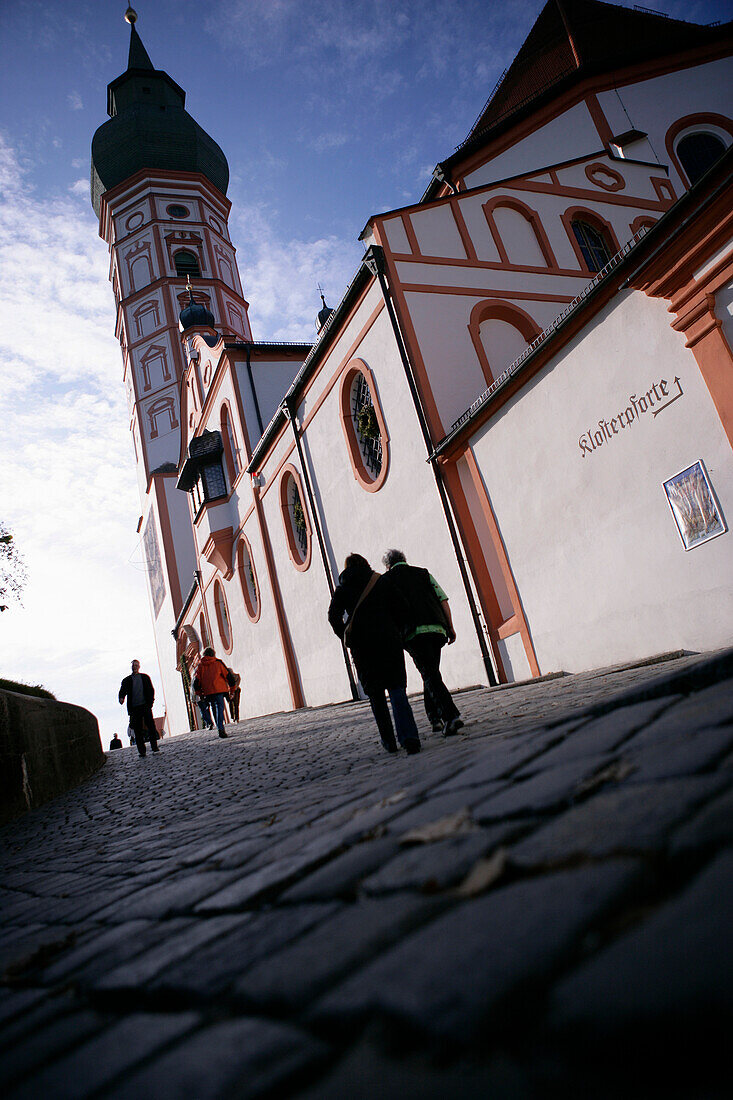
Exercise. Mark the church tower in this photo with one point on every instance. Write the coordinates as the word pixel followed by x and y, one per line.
pixel 158 187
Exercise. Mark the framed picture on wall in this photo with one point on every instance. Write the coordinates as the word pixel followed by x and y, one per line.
pixel 694 507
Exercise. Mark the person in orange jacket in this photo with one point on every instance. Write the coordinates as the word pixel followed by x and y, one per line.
pixel 212 682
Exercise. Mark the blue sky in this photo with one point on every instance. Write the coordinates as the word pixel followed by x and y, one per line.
pixel 327 113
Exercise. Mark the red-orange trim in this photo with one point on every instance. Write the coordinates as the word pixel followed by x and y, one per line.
pixel 600 121
pixel 503 558
pixel 300 562
pixel 640 223
pixel 463 229
pixel 362 475
pixel 500 311
pixel 410 232
pixel 600 174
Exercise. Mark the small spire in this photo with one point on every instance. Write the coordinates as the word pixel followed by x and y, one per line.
pixel 324 312
pixel 189 288
pixel 138 56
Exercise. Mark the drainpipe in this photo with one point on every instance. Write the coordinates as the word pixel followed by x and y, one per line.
pixel 374 260
pixel 258 414
pixel 288 407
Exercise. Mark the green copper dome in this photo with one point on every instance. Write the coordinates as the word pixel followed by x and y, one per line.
pixel 149 128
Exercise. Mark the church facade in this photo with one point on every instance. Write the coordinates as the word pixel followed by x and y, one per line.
pixel 527 386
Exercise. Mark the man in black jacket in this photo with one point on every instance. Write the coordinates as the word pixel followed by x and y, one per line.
pixel 422 606
pixel 138 687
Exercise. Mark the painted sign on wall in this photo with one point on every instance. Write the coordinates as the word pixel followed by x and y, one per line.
pixel 658 397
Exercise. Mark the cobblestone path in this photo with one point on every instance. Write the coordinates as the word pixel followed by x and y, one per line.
pixel 538 907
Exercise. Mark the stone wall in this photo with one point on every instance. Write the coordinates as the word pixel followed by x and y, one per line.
pixel 46 747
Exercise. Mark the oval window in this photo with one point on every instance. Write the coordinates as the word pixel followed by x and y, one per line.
pixel 222 616
pixel 295 519
pixel 177 211
pixel 248 580
pixel 366 435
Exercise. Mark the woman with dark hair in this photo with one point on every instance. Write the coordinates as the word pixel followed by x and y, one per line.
pixel 360 614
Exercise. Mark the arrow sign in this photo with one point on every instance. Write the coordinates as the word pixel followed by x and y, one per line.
pixel 671 400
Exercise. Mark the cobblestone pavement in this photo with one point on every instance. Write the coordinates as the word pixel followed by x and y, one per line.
pixel 540 906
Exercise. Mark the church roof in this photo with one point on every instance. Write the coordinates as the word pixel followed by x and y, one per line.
pixel 149 128
pixel 138 55
pixel 571 41
pixel 586 37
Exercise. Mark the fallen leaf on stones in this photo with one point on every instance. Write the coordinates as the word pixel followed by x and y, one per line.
pixel 613 773
pixel 392 798
pixel 452 825
pixel 484 873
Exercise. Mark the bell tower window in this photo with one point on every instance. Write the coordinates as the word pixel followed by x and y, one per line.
pixel 187 264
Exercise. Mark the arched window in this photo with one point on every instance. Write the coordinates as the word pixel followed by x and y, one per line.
pixel 694 142
pixel 592 243
pixel 231 450
pixel 518 233
pixel 295 518
pixel 187 263
pixel 248 580
pixel 698 152
pixel 500 332
pixel 163 407
pixel 222 616
pixel 364 427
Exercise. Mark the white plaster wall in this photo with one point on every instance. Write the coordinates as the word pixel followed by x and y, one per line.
pixel 417 274
pixel 654 105
pixel 518 237
pixel 368 523
pixel 437 233
pixel 598 562
pixel 179 514
pixel 272 381
pixel 441 324
pixel 473 215
pixel 572 134
pixel 396 236
pixel 257 652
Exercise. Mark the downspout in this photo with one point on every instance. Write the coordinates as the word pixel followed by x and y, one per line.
pixel 374 260
pixel 288 407
pixel 258 414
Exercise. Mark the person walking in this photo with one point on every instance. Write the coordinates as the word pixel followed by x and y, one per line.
pixel 138 689
pixel 115 743
pixel 212 681
pixel 423 610
pixel 371 634
pixel 205 711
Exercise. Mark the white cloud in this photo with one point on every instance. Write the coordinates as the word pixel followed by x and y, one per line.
pixel 280 277
pixel 329 141
pixel 69 491
pixel 74 101
pixel 80 187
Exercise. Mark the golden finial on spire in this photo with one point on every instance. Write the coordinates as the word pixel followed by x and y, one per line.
pixel 131 15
